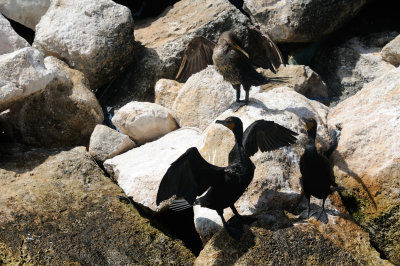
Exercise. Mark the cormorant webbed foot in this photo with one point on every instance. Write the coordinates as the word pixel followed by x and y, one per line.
pixel 234 232
pixel 322 216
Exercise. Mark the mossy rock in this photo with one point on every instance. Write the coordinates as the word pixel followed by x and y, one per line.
pixel 58 207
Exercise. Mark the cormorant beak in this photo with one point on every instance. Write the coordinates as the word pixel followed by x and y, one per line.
pixel 237 47
pixel 307 123
pixel 229 125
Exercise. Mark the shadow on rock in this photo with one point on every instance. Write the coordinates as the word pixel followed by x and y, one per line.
pixel 136 82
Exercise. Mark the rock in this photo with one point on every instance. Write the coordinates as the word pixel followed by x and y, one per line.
pixel 10 41
pixel 143 121
pixel 163 41
pixel 105 143
pixel 302 20
pixel 140 170
pixel 58 208
pixel 391 52
pixel 95 38
pixel 166 91
pixel 26 12
pixel 276 183
pixel 367 159
pixel 22 73
pixel 347 67
pixel 276 239
pixel 63 115
pixel 203 97
pixel 302 78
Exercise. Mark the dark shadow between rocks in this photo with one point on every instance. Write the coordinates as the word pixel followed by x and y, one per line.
pixel 27 33
pixel 136 82
pixel 20 158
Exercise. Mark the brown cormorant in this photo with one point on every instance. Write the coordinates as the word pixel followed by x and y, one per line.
pixel 232 61
pixel 317 177
pixel 190 175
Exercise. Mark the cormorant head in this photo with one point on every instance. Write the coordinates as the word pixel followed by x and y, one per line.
pixel 311 126
pixel 233 123
pixel 229 38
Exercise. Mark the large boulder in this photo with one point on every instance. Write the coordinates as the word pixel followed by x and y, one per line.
pixel 302 20
pixel 143 121
pixel 22 73
pixel 276 182
pixel 163 41
pixel 367 160
pixel 139 171
pixel 391 52
pixel 10 41
pixel 203 97
pixel 277 239
pixel 64 114
pixel 58 208
pixel 301 78
pixel 166 91
pixel 94 37
pixel 347 67
pixel 26 12
pixel 106 143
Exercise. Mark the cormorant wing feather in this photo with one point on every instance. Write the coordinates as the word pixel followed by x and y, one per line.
pixel 262 50
pixel 266 136
pixel 197 56
pixel 188 177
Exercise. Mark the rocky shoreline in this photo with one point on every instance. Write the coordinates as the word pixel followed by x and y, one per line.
pixel 76 190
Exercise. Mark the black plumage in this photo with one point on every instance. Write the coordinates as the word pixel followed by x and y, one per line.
pixel 316 172
pixel 190 175
pixel 231 59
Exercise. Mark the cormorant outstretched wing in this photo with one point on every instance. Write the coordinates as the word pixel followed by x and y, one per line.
pixel 266 135
pixel 188 177
pixel 197 56
pixel 262 50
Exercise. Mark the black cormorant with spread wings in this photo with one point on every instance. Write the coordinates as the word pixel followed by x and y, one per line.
pixel 317 177
pixel 231 59
pixel 191 175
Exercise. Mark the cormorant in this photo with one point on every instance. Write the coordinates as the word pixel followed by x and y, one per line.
pixel 317 177
pixel 190 175
pixel 231 59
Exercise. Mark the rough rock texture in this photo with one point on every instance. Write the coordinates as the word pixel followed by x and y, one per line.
pixel 367 159
pixel 106 143
pixel 166 91
pixel 163 41
pixel 10 41
pixel 64 114
pixel 302 20
pixel 58 208
pixel 276 239
pixel 203 97
pixel 22 73
pixel 347 67
pixel 96 37
pixel 276 183
pixel 302 78
pixel 391 52
pixel 144 121
pixel 140 170
pixel 26 12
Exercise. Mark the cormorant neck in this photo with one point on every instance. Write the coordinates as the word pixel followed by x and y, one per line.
pixel 238 132
pixel 312 134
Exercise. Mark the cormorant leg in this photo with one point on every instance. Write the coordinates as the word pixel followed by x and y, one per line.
pixel 233 232
pixel 237 88
pixel 323 217
pixel 306 213
pixel 235 212
pixel 247 96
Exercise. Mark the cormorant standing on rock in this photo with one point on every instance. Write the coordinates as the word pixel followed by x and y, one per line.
pixel 190 175
pixel 316 172
pixel 231 59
